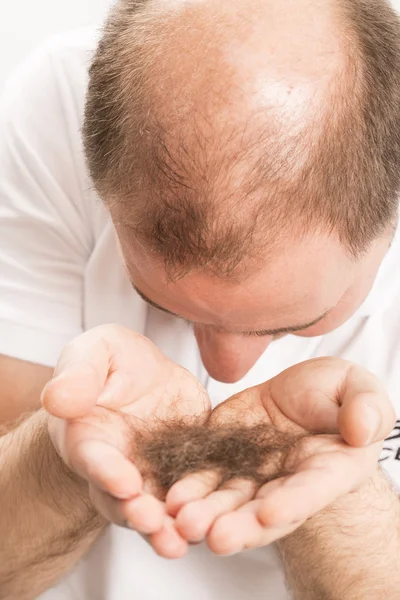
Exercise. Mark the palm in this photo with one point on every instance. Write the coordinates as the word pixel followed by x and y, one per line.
pixel 128 385
pixel 111 383
pixel 303 401
pixel 139 397
pixel 257 406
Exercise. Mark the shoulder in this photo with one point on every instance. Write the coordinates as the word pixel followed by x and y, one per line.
pixel 56 73
pixel 42 164
pixel 73 50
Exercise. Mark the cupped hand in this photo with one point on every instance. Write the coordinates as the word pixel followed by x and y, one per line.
pixel 109 384
pixel 338 414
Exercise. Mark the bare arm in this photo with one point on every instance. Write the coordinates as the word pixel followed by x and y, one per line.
pixel 53 512
pixel 21 384
pixel 350 551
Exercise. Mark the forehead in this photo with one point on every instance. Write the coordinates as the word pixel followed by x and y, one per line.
pixel 298 282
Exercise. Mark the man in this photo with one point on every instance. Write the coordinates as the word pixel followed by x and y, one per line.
pixel 246 155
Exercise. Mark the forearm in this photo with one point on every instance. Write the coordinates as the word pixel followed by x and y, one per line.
pixel 350 551
pixel 46 519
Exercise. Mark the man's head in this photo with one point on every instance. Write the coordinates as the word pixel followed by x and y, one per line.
pixel 249 153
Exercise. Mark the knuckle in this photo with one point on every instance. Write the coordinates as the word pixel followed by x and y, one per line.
pixel 272 515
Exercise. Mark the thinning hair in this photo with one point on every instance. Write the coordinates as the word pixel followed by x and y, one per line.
pixel 340 173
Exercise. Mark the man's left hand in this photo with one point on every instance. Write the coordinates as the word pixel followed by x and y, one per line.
pixel 342 414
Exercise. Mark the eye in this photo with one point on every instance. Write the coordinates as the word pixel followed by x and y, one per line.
pixel 257 334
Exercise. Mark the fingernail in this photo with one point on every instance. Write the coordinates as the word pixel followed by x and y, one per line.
pixel 372 419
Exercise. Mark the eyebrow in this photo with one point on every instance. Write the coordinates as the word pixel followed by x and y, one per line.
pixel 260 333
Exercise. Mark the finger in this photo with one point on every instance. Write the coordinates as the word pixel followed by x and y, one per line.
pixel 192 487
pixel 107 468
pixel 144 514
pixel 85 363
pixel 241 530
pixel 318 395
pixel 79 377
pixel 195 519
pixel 107 506
pixel 118 390
pixel 366 414
pixel 167 542
pixel 307 393
pixel 321 480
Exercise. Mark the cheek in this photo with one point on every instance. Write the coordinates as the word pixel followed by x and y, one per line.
pixel 352 298
pixel 326 326
pixel 339 315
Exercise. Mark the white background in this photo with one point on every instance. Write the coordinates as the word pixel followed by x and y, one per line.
pixel 24 24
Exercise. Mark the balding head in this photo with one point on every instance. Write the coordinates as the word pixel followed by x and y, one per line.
pixel 216 130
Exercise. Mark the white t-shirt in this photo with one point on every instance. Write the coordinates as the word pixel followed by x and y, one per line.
pixel 60 274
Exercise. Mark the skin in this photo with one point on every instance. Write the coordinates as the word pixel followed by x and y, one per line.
pixel 256 453
pixel 303 281
pixel 99 393
pixel 308 277
pixel 271 70
pixel 111 381
pixel 309 284
pixel 110 395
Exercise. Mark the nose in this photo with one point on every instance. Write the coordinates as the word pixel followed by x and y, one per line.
pixel 228 356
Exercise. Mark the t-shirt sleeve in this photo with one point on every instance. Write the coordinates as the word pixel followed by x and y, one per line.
pixel 45 232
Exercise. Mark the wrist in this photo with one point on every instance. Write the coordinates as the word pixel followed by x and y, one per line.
pixel 348 549
pixel 350 514
pixel 348 517
pixel 375 491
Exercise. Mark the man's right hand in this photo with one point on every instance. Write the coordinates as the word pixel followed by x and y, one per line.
pixel 109 383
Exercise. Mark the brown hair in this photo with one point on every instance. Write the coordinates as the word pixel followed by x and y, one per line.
pixel 348 184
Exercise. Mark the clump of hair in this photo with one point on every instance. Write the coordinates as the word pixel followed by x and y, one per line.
pixel 173 199
pixel 166 454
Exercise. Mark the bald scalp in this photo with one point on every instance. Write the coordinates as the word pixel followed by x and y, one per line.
pixel 214 130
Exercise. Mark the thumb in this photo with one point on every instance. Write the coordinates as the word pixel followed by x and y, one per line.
pixel 366 414
pixel 79 377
